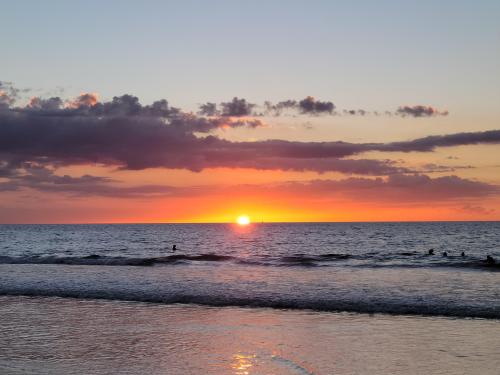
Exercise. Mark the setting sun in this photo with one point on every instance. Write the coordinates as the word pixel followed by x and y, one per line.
pixel 243 220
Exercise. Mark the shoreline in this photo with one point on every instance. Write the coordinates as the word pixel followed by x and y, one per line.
pixel 61 336
pixel 375 314
pixel 425 292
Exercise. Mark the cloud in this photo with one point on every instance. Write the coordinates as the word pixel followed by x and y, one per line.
pixel 208 109
pixel 430 143
pixel 84 100
pixel 347 166
pixel 308 106
pixel 124 133
pixel 311 105
pixel 235 108
pixel 356 112
pixel 8 94
pixel 47 105
pixel 437 168
pixel 36 176
pixel 278 108
pixel 398 188
pixel 420 111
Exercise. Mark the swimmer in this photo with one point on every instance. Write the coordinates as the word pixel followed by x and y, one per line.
pixel 174 247
pixel 431 252
pixel 445 254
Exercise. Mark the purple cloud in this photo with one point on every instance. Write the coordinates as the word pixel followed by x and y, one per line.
pixel 124 133
pixel 235 108
pixel 420 111
pixel 399 188
pixel 308 106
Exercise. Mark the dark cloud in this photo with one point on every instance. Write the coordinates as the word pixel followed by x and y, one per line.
pixel 313 106
pixel 420 111
pixel 432 142
pixel 237 108
pixel 124 133
pixel 278 108
pixel 208 109
pixel 46 105
pixel 309 106
pixel 39 177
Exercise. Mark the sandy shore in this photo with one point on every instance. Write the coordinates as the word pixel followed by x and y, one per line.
pixel 71 336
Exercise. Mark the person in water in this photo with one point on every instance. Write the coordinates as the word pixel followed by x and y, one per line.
pixel 490 259
pixel 463 253
pixel 445 254
pixel 431 252
pixel 174 247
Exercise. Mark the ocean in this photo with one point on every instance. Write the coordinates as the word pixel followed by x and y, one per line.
pixel 318 296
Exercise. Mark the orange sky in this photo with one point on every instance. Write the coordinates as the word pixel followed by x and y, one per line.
pixel 224 203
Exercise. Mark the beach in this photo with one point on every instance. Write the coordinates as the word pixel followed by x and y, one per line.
pixel 74 336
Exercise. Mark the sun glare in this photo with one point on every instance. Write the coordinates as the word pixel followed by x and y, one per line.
pixel 243 220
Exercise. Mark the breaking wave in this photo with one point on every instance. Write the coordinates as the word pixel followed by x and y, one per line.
pixel 264 301
pixel 375 260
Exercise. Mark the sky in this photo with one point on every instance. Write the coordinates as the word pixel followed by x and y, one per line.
pixel 195 111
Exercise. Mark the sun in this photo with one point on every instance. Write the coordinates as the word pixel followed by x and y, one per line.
pixel 243 220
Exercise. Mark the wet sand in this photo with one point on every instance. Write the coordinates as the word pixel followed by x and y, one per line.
pixel 71 336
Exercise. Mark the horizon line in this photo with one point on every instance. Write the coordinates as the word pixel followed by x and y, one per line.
pixel 262 222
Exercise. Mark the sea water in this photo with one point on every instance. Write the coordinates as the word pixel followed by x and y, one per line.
pixel 288 277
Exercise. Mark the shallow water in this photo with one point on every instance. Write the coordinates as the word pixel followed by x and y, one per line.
pixel 399 291
pixel 71 336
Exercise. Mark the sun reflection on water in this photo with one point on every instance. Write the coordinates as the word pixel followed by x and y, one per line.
pixel 242 363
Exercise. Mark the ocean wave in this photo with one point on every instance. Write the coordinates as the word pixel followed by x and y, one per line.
pixel 370 260
pixel 101 260
pixel 283 302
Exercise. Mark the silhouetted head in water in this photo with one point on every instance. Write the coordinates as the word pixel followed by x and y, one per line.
pixel 174 247
pixel 431 252
pixel 490 259
pixel 463 254
pixel 445 254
